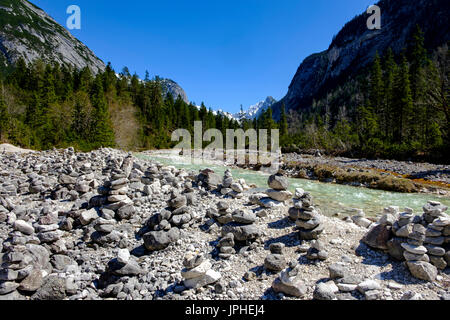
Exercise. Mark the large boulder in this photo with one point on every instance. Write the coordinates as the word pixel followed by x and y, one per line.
pixel 378 237
pixel 278 182
pixel 159 240
pixel 422 270
pixel 54 288
pixel 241 233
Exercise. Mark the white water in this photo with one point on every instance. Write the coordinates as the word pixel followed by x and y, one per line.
pixel 331 198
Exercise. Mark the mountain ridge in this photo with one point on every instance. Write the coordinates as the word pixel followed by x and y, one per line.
pixel 354 47
pixel 28 32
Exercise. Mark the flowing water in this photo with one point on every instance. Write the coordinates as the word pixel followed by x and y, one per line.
pixel 330 198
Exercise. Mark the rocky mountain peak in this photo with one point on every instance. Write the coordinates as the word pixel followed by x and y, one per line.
pixel 28 32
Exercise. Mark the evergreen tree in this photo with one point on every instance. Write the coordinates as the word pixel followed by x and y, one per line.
pixel 4 117
pixel 377 88
pixel 403 103
pixel 388 120
pixel 283 122
pixel 102 132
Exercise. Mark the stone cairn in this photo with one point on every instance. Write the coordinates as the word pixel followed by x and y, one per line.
pixel 275 261
pixel 226 246
pixel 290 281
pixel 165 225
pixel 115 204
pixel 232 188
pixel 276 196
pixel 306 217
pixel 241 229
pixel 197 272
pixel 422 241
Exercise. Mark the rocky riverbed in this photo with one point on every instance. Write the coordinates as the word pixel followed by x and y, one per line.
pixel 106 225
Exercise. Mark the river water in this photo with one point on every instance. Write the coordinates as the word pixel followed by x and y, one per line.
pixel 330 198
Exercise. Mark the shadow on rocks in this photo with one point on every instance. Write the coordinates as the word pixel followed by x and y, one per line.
pixel 372 257
pixel 281 224
pixel 289 240
pixel 399 272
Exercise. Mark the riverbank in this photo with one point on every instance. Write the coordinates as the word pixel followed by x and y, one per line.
pixel 78 226
pixel 395 176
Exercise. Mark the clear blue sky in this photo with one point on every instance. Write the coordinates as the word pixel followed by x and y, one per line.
pixel 224 53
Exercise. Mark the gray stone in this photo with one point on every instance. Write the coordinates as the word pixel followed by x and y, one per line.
pixel 123 256
pixel 23 227
pixel 422 270
pixel 368 285
pixel 60 262
pixel 275 262
pixel 54 288
pixel 279 195
pixel 278 182
pixel 438 262
pixel 159 240
pixel 241 233
pixel 126 212
pixel 244 216
pixel 435 250
pixel 178 202
pixel 404 231
pixel 337 270
pixel 7 287
pixel 311 234
pixel 298 289
pixel 437 241
pixel 325 291
pixel 32 282
pixel 378 237
pixel 192 260
pixel 414 249
pixel 209 277
pixel 415 257
pixel 87 216
pixel 277 248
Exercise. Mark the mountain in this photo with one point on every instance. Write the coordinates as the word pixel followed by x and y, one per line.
pixel 170 86
pixel 354 48
pixel 28 32
pixel 256 110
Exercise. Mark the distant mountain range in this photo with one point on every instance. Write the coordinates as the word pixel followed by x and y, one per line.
pixel 255 110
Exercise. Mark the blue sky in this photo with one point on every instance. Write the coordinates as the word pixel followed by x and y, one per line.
pixel 224 53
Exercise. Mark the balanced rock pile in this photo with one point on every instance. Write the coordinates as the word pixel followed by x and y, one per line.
pixel 317 251
pixel 275 261
pixel 226 246
pixel 422 241
pixel 208 179
pixel 274 197
pixel 232 188
pixel 198 272
pixel 306 217
pixel 290 281
pixel 222 215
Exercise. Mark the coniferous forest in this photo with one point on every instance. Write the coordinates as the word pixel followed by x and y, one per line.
pixel 396 108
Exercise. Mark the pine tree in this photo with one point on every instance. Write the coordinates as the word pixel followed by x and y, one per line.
pixel 4 117
pixel 403 103
pixel 377 88
pixel 102 132
pixel 390 68
pixel 419 60
pixel 283 125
